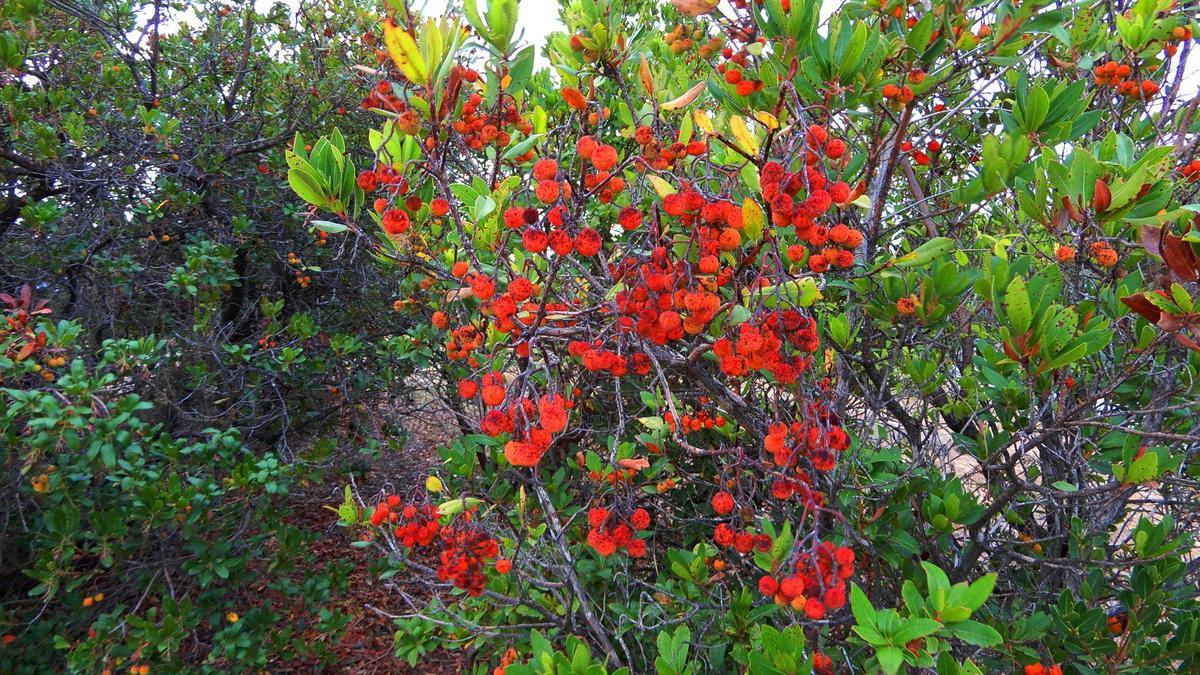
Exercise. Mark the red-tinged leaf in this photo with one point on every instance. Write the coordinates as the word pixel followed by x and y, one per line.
pixel 1010 352
pixel 646 76
pixel 1170 323
pixel 1152 238
pixel 26 351
pixel 450 96
pixel 7 299
pixel 1187 342
pixel 1101 197
pixel 1180 258
pixel 1142 306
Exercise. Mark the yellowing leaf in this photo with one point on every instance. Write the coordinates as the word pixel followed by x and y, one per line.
pixel 702 121
pixel 768 120
pixel 862 201
pixel 662 187
pixel 741 133
pixel 753 219
pixel 803 292
pixel 457 506
pixel 647 78
pixel 404 52
pixel 926 253
pixel 687 98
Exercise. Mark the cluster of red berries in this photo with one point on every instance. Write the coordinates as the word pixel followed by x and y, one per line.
pixel 818 583
pixel 532 426
pixel 463 341
pixel 383 178
pixel 762 345
pixel 608 533
pixel 654 307
pixel 785 488
pixel 1190 171
pixel 742 541
pixel 383 98
pixel 1103 254
pixel 659 157
pixel 1113 74
pixel 734 71
pixel 509 658
pixel 921 157
pixel 1178 34
pixel 510 310
pixel 818 439
pixel 898 94
pixel 701 420
pixel 491 127
pixel 415 525
pixel 597 358
pixel 716 224
pixel 1039 669
pixel 843 239
pixel 781 188
pixel 463 559
pixel 907 305
pixel 603 159
pixel 680 43
pixel 537 238
pixel 493 392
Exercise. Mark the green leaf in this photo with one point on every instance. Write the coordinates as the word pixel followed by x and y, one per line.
pixel 330 227
pixel 306 187
pixel 979 591
pixel 484 205
pixel 975 633
pixel 915 628
pixel 1036 108
pixel 860 606
pixel 925 253
pixel 1143 469
pixel 939 585
pixel 918 35
pixel 1067 357
pixel 890 659
pixel 1016 305
pixel 521 148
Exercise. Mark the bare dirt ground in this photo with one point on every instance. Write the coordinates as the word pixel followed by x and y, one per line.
pixel 366 646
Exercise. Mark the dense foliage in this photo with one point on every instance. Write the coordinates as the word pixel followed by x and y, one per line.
pixel 794 344
pixel 175 344
pixel 779 343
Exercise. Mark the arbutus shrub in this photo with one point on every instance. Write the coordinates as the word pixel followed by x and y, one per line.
pixel 811 298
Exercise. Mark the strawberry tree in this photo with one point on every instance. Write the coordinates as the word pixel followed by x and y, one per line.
pixel 785 342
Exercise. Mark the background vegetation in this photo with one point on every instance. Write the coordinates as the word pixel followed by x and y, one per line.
pixel 755 341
